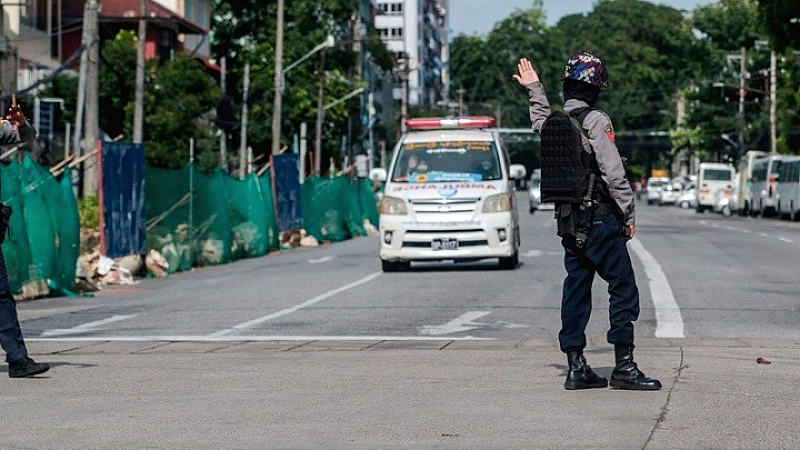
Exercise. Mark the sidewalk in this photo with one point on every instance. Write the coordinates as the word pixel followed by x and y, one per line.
pixel 398 395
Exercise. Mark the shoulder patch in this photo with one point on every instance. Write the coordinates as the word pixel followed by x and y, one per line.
pixel 610 133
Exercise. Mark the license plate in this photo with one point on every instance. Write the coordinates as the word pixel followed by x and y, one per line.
pixel 444 244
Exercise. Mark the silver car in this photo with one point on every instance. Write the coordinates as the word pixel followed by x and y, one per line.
pixel 535 193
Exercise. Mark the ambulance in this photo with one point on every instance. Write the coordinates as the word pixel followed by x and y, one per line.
pixel 449 195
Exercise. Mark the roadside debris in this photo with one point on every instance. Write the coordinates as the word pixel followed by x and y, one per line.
pixel 761 360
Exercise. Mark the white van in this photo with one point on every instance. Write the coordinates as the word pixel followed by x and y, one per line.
pixel 744 177
pixel 449 195
pixel 789 188
pixel 764 185
pixel 715 185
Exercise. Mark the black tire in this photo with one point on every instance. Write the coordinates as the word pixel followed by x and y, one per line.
pixel 388 266
pixel 510 262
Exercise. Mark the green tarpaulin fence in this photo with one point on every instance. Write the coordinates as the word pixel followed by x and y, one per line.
pixel 44 241
pixel 223 218
pixel 227 218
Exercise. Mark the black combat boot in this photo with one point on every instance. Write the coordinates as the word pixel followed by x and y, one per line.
pixel 626 374
pixel 580 375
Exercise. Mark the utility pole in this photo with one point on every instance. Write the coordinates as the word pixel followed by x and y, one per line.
pixel 740 117
pixel 138 105
pixel 223 140
pixel 92 99
pixel 80 104
pixel 773 81
pixel 243 136
pixel 320 117
pixel 461 92
pixel 404 70
pixel 370 118
pixel 277 103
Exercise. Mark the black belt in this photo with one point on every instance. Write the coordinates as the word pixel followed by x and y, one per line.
pixel 604 208
pixel 600 208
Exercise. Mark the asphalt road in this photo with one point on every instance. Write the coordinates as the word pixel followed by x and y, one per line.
pixel 317 349
pixel 706 275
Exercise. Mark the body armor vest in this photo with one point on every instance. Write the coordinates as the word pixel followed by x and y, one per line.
pixel 566 166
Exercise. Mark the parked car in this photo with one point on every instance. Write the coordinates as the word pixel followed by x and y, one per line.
pixel 669 194
pixel 688 197
pixel 535 193
pixel 654 186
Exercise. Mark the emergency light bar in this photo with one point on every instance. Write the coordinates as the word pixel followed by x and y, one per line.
pixel 433 123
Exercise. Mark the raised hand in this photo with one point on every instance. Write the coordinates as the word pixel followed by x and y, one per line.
pixel 16 117
pixel 526 75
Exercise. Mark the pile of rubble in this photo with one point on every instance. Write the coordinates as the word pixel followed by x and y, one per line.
pixel 174 253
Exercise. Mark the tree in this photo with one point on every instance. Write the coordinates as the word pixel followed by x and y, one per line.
pixel 178 100
pixel 245 32
pixel 728 27
pixel 117 77
pixel 780 18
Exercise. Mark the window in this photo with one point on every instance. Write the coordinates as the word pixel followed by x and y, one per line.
pixel 447 161
pixel 33 13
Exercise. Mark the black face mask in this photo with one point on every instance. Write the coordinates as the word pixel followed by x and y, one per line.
pixel 578 90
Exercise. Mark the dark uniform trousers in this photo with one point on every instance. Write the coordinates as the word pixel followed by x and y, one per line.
pixel 606 254
pixel 10 333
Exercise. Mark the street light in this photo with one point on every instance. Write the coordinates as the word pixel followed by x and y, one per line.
pixel 328 43
pixel 281 85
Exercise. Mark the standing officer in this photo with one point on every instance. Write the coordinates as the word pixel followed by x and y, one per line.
pixel 614 223
pixel 15 128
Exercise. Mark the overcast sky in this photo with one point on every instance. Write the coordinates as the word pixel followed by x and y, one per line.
pixel 479 16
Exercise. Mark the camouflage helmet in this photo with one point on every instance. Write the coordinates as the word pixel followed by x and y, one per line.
pixel 586 67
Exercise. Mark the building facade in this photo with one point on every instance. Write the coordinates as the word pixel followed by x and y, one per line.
pixel 416 32
pixel 38 37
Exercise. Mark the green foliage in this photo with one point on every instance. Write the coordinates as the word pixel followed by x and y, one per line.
pixel 245 32
pixel 177 101
pixel 777 17
pixel 117 78
pixel 89 212
pixel 729 24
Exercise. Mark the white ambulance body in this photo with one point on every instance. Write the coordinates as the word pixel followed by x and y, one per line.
pixel 449 195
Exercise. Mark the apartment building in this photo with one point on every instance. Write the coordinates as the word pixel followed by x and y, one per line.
pixel 416 32
pixel 38 37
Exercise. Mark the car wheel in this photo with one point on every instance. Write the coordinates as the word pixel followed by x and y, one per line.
pixel 510 262
pixel 726 211
pixel 684 205
pixel 394 266
pixel 532 210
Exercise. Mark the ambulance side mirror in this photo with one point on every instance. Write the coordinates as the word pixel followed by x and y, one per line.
pixel 377 174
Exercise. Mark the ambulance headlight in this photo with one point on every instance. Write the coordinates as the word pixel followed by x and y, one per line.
pixel 497 203
pixel 392 206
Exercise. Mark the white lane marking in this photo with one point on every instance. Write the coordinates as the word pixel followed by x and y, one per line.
pixel 251 323
pixel 86 327
pixel 746 231
pixel 320 260
pixel 669 323
pixel 254 338
pixel 786 240
pixel 763 234
pixel 730 228
pixel 460 323
pixel 531 253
